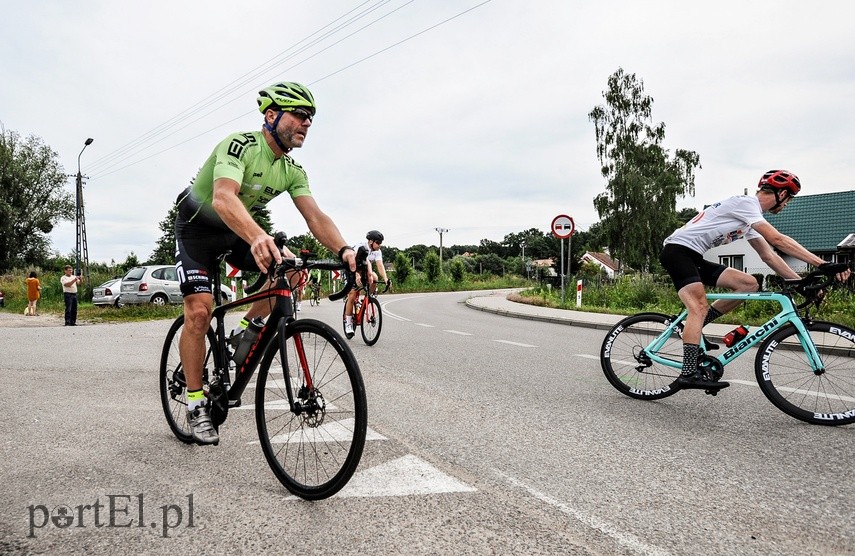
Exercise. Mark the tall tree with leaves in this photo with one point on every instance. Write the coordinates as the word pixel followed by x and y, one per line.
pixel 32 199
pixel 638 208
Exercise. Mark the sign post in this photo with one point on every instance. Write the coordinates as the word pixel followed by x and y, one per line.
pixel 562 228
pixel 232 273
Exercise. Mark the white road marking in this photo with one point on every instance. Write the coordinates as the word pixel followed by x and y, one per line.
pixel 745 382
pixel 458 332
pixel 334 431
pixel 624 539
pixel 423 324
pixel 405 476
pixel 386 311
pixel 515 343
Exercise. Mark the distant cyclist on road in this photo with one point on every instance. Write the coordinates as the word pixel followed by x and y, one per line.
pixel 372 245
pixel 244 173
pixel 720 223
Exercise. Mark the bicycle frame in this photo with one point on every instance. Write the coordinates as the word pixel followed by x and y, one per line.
pixel 282 312
pixel 787 315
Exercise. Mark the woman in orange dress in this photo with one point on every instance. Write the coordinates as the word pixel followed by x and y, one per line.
pixel 34 292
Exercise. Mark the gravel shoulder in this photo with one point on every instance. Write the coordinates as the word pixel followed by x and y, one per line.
pixel 12 320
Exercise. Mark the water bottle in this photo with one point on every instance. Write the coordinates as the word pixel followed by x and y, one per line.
pixel 735 335
pixel 249 336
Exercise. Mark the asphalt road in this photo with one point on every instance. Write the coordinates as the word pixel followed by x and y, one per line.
pixel 488 435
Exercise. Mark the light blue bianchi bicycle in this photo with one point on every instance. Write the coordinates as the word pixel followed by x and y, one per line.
pixel 805 367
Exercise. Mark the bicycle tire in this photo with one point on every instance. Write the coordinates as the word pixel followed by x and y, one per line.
pixel 315 453
pixel 173 391
pixel 627 370
pixel 785 376
pixel 372 321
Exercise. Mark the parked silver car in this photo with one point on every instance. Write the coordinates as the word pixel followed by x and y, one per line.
pixel 107 294
pixel 156 284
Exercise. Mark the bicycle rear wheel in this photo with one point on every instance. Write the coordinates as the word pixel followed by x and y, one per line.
pixel 314 448
pixel 629 369
pixel 173 388
pixel 786 378
pixel 372 321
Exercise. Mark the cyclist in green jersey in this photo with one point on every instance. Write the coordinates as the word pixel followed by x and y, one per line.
pixel 243 174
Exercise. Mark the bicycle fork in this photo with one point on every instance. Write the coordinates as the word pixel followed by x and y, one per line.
pixel 308 401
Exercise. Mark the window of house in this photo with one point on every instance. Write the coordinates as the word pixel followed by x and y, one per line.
pixel 732 261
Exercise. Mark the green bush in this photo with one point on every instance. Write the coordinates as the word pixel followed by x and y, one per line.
pixel 433 268
pixel 457 270
pixel 402 268
pixel 637 293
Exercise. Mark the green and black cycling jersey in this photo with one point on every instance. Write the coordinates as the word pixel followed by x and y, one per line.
pixel 247 159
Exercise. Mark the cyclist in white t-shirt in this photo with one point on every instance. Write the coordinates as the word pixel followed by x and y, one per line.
pixel 718 224
pixel 374 240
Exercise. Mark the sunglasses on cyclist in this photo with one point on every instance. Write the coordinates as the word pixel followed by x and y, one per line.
pixel 302 114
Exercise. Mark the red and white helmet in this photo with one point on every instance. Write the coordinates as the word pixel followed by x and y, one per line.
pixel 780 179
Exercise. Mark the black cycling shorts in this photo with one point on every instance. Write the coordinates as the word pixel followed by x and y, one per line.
pixel 686 266
pixel 197 247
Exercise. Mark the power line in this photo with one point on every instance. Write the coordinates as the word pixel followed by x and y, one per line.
pixel 291 67
pixel 233 85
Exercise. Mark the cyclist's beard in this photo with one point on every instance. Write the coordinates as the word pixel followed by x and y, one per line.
pixel 292 137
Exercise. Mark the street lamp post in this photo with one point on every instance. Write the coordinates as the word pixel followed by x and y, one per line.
pixel 78 217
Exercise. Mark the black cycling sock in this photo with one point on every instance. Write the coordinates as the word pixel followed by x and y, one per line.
pixel 712 314
pixel 690 358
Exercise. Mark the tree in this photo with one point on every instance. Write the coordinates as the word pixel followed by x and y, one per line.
pixel 458 270
pixel 402 267
pixel 131 262
pixel 164 252
pixel 32 199
pixel 637 209
pixel 418 253
pixel 433 269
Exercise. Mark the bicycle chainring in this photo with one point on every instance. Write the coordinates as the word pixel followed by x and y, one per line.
pixel 711 367
pixel 219 404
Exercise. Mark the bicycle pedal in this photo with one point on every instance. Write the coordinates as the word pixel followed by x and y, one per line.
pixel 712 392
pixel 234 403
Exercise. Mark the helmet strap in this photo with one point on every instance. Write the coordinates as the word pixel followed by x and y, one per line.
pixel 778 201
pixel 272 129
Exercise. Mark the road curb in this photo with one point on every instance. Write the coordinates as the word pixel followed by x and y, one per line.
pixel 541 318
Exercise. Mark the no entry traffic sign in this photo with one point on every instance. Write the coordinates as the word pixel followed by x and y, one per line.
pixel 563 226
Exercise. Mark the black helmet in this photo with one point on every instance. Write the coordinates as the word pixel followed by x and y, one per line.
pixel 374 235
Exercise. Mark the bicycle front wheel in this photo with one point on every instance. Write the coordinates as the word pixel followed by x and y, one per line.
pixel 173 387
pixel 372 321
pixel 785 375
pixel 314 445
pixel 628 366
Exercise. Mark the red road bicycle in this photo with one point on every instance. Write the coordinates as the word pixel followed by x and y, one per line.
pixel 367 314
pixel 311 411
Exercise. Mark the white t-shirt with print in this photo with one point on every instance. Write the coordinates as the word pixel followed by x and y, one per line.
pixel 719 224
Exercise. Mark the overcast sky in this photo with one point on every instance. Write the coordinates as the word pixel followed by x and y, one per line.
pixel 466 115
